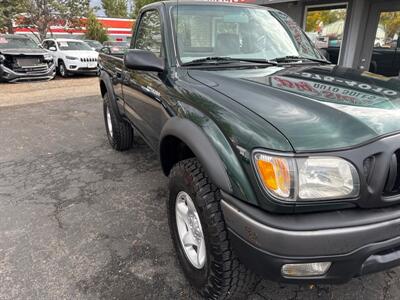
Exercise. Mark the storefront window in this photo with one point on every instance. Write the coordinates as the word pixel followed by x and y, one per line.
pixel 387 34
pixel 325 28
pixel 386 55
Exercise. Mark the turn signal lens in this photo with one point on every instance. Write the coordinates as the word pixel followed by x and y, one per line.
pixel 275 173
pixel 305 270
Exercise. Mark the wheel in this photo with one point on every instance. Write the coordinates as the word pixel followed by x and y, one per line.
pixel 119 133
pixel 62 69
pixel 200 235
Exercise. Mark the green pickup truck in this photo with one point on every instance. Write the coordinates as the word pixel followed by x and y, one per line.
pixel 280 164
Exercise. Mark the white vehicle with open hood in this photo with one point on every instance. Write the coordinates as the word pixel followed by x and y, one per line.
pixel 72 56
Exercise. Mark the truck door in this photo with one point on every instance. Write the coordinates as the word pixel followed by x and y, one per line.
pixel 114 65
pixel 143 90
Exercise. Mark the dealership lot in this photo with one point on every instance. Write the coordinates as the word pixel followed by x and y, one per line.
pixel 81 221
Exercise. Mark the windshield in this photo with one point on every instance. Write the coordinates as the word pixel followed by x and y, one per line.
pixel 238 32
pixel 116 44
pixel 72 45
pixel 94 44
pixel 7 42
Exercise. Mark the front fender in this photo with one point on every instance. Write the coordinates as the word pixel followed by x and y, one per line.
pixel 106 86
pixel 214 152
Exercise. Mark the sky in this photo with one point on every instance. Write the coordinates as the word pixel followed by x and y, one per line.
pixel 97 3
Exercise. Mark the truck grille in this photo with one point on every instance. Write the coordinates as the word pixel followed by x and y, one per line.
pixel 88 59
pixel 392 185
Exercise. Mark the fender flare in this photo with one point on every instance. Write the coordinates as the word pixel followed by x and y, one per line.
pixel 106 79
pixel 195 138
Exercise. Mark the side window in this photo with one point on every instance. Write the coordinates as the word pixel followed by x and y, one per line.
pixel 45 45
pixel 52 44
pixel 149 33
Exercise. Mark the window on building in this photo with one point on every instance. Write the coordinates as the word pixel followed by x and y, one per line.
pixel 324 25
pixel 386 55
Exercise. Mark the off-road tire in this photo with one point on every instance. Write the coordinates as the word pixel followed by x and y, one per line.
pixel 121 138
pixel 222 276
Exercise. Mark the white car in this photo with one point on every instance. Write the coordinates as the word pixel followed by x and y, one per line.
pixel 72 56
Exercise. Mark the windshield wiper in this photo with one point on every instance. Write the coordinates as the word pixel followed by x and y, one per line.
pixel 225 60
pixel 290 58
pixel 209 59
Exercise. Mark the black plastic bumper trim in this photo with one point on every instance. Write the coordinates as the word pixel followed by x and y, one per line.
pixel 306 243
pixel 344 267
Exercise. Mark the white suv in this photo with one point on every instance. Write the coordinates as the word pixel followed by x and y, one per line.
pixel 72 56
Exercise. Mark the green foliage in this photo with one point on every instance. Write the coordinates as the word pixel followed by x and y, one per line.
pixel 9 10
pixel 115 8
pixel 140 3
pixel 391 23
pixel 314 18
pixel 41 14
pixel 94 29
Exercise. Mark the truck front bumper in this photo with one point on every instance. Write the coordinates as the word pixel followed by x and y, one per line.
pixel 9 75
pixel 356 242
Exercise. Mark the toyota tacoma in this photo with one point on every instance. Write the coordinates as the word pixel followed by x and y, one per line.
pixel 280 164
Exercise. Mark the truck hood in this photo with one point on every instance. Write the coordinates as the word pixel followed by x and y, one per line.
pixel 23 51
pixel 317 108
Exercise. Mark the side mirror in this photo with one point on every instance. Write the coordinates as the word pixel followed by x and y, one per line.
pixel 53 48
pixel 105 50
pixel 143 60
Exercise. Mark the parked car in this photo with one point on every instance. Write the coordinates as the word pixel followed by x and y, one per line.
pixel 72 56
pixel 95 45
pixel 279 162
pixel 114 48
pixel 22 59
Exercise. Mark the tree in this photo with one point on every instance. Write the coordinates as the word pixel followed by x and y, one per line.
pixel 9 10
pixel 94 29
pixel 391 23
pixel 328 16
pixel 140 3
pixel 115 8
pixel 41 14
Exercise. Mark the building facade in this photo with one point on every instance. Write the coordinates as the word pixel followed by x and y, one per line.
pixel 362 34
pixel 117 30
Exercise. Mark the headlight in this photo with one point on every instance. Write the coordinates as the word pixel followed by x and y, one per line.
pixel 48 57
pixel 71 58
pixel 307 178
pixel 327 178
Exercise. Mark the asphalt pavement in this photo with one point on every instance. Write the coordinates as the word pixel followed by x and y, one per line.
pixel 81 221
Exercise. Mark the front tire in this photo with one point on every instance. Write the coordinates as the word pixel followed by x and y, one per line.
pixel 62 70
pixel 217 274
pixel 119 132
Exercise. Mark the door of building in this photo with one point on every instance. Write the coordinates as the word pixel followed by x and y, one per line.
pixel 381 46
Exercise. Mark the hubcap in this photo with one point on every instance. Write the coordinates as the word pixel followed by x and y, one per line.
pixel 109 123
pixel 190 230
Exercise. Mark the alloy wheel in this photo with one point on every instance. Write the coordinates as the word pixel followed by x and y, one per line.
pixel 190 230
